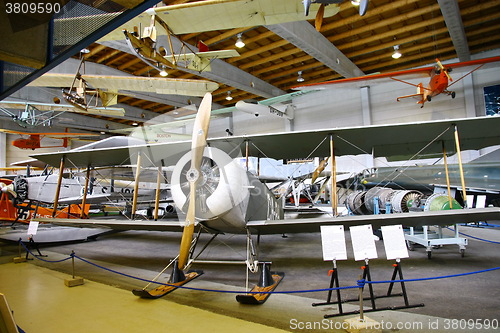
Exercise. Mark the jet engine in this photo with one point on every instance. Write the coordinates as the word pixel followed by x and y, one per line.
pixel 363 202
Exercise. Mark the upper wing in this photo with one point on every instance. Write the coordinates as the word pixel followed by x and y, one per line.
pixel 379 140
pixel 400 75
pixel 134 83
pixel 414 219
pixel 365 80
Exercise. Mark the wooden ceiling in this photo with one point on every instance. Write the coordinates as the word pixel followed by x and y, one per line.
pixel 417 26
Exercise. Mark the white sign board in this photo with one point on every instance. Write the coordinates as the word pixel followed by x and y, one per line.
pixel 333 242
pixel 363 242
pixel 394 242
pixel 32 228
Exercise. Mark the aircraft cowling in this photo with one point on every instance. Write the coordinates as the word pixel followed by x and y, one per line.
pixel 222 191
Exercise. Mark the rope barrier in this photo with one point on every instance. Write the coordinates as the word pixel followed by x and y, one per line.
pixel 41 259
pixel 477 238
pixel 359 283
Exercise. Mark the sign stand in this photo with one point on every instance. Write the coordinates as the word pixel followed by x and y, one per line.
pixel 334 281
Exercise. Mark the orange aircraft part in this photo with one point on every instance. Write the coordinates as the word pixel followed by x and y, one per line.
pixel 33 142
pixel 25 212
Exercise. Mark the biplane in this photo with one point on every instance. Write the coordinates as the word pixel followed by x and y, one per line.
pixel 440 79
pixel 214 193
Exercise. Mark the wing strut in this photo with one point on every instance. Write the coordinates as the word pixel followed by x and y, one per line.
pixel 334 177
pixel 85 190
pixel 157 194
pixel 58 189
pixel 461 167
pixel 447 174
pixel 136 185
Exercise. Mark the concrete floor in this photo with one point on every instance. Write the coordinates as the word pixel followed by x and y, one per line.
pixel 143 254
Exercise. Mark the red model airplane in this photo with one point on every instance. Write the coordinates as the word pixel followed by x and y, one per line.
pixel 33 141
pixel 438 84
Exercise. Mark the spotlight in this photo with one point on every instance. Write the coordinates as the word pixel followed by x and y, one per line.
pixel 239 42
pixel 229 97
pixel 163 72
pixel 300 78
pixel 396 54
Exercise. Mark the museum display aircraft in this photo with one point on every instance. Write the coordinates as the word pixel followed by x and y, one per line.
pixel 192 17
pixel 215 194
pixel 439 79
pixel 33 114
pixel 33 141
pixel 318 21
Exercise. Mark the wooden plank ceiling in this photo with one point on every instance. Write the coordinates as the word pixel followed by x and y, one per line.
pixel 417 26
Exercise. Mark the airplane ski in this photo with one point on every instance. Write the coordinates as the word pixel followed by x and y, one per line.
pixel 267 283
pixel 178 279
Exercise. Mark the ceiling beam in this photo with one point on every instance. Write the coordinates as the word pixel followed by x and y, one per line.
pixel 453 20
pixel 305 37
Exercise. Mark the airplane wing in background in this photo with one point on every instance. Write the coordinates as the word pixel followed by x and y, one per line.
pixel 379 140
pixel 365 80
pixel 222 16
pixel 120 84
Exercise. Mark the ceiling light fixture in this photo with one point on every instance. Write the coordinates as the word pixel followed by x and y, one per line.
pixel 355 2
pixel 300 78
pixel 239 42
pixel 396 54
pixel 163 72
pixel 229 97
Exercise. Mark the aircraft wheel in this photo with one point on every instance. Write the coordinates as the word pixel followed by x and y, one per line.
pixel 429 98
pixel 453 94
pixel 462 253
pixel 429 254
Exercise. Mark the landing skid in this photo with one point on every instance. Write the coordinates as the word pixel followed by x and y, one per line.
pixel 166 289
pixel 260 293
pixel 177 279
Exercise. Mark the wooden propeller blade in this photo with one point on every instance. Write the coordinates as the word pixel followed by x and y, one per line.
pixel 443 69
pixel 319 170
pixel 318 22
pixel 199 141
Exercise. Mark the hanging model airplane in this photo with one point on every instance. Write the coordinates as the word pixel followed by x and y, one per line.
pixel 86 91
pixel 318 21
pixel 439 79
pixel 213 15
pixel 215 193
pixel 33 141
pixel 146 48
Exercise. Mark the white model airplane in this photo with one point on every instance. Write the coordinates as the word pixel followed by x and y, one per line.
pixel 121 84
pixel 216 194
pixel 221 15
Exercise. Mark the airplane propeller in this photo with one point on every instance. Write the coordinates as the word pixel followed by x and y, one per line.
pixel 199 142
pixel 444 69
pixel 319 170
pixel 318 21
pixel 8 189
